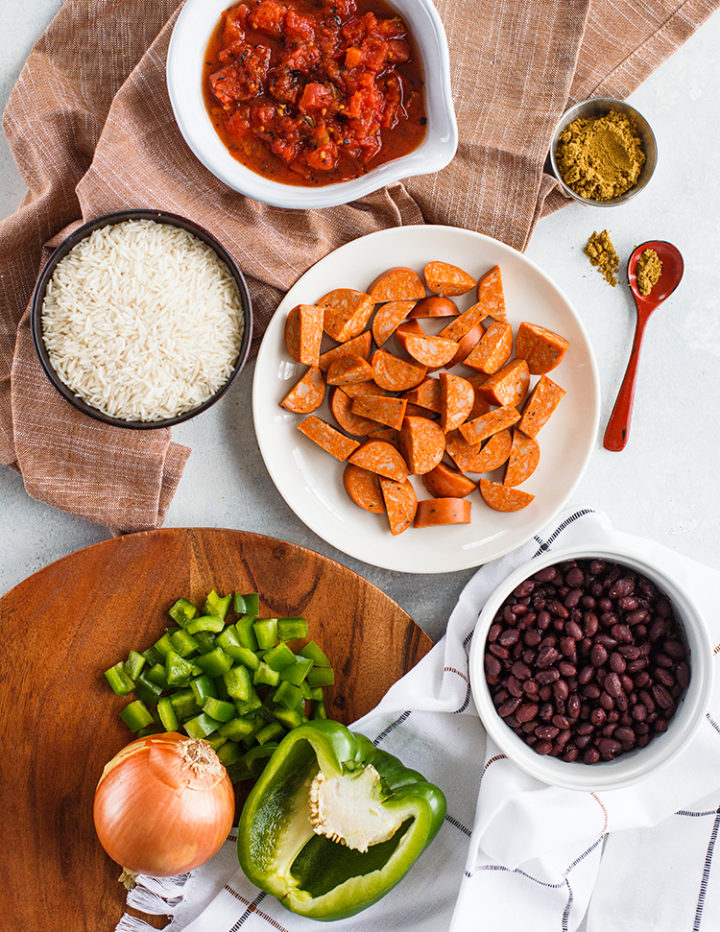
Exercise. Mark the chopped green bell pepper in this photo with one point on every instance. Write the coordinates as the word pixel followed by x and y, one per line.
pixel 335 848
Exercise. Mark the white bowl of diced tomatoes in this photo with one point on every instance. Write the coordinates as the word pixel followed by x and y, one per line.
pixel 280 117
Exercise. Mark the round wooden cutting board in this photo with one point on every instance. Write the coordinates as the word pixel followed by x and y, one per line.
pixel 65 625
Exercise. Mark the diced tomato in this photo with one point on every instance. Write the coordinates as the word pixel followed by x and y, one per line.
pixel 398 51
pixel 375 54
pixel 324 158
pixel 269 17
pixel 393 93
pixel 235 20
pixel 243 78
pixel 316 98
pixel 390 28
pixel 300 26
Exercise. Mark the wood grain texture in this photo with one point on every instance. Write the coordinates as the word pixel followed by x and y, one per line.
pixel 65 625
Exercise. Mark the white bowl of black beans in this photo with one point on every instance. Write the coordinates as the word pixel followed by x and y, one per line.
pixel 590 668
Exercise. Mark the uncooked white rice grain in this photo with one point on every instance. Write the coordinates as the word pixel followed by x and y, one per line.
pixel 142 320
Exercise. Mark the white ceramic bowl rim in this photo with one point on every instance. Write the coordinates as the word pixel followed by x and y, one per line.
pixel 191 34
pixel 633 765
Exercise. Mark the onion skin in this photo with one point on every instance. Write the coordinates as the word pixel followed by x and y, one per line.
pixel 164 805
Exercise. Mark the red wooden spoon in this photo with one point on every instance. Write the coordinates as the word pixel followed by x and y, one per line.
pixel 616 433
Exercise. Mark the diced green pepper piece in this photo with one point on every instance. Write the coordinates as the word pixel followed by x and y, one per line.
pixel 245 632
pixel 320 676
pixel 220 687
pixel 164 645
pixel 153 656
pixel 288 695
pixel 306 691
pixel 228 638
pixel 312 650
pixel 184 704
pixel 136 715
pixel 216 662
pixel 149 730
pixel 216 740
pixel 279 657
pixel 230 753
pixel 134 664
pixel 318 712
pixel 245 656
pixel 166 711
pixel 238 728
pixel 238 684
pixel 252 604
pixel 156 674
pixel 220 710
pixel 216 604
pixel 183 643
pixel 297 671
pixel 239 603
pixel 119 681
pixel 147 690
pixel 203 688
pixel 318 694
pixel 290 718
pixel 182 612
pixel 177 670
pixel 270 732
pixel 290 629
pixel 212 623
pixel 201 726
pixel 248 706
pixel 266 632
pixel 205 641
pixel 265 676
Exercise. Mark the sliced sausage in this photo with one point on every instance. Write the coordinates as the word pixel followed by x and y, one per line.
pixel 419 411
pixel 363 487
pixel 445 482
pixel 491 295
pixel 387 434
pixel 545 397
pixel 426 394
pixel 306 395
pixel 457 397
pixel 434 307
pixel 353 389
pixel 303 333
pixel 395 374
pixel 381 457
pixel 429 351
pixel 544 349
pixel 346 313
pixel 445 279
pixel 508 386
pixel 435 511
pixel 486 425
pixel 388 411
pixel 400 504
pixel 341 405
pixel 466 345
pixel 346 370
pixel 399 284
pixel 463 324
pixel 325 436
pixel 422 444
pixel 494 453
pixel 480 406
pixel 524 459
pixel 504 497
pixel 359 346
pixel 388 318
pixel 463 455
pixel 493 350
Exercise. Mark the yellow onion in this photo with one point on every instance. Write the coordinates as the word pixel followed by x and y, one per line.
pixel 164 805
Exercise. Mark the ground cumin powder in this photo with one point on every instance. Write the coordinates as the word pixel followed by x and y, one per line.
pixel 649 270
pixel 601 253
pixel 600 157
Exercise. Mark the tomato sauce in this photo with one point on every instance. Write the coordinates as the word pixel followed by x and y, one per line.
pixel 312 92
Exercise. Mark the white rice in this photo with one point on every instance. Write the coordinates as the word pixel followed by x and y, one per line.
pixel 143 321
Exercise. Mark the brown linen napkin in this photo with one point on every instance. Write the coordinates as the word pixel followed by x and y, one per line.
pixel 91 129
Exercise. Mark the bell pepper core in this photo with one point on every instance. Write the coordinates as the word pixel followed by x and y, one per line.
pixel 333 823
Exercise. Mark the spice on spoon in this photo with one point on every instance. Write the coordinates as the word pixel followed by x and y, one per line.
pixel 649 270
pixel 601 157
pixel 601 253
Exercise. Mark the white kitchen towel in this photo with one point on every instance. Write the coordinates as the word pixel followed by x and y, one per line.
pixel 513 855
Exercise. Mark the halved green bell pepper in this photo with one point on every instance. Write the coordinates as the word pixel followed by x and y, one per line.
pixel 332 824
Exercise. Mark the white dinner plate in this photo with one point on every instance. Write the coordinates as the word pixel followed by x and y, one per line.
pixel 310 480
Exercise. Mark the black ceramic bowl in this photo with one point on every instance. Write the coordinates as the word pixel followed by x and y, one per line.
pixel 159 216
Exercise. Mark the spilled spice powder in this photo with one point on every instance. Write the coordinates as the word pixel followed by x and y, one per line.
pixel 601 253
pixel 649 270
pixel 600 157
